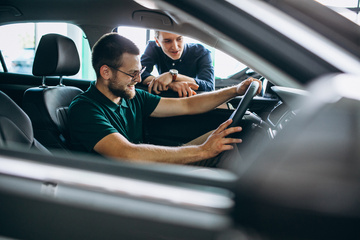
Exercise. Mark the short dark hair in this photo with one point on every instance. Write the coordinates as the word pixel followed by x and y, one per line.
pixel 109 49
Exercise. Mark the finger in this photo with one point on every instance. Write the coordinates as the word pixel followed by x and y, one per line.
pixel 232 140
pixel 156 87
pixel 189 92
pixel 150 86
pixel 244 85
pixel 260 87
pixel 184 92
pixel 223 126
pixel 193 86
pixel 228 143
pixel 232 130
pixel 180 93
pixel 228 147
pixel 162 86
pixel 247 81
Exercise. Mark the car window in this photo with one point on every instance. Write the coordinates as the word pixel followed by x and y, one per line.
pixel 224 65
pixel 19 42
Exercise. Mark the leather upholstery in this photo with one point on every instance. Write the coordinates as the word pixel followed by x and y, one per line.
pixel 47 106
pixel 56 55
pixel 15 126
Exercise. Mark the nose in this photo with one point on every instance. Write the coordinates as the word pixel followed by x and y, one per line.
pixel 137 78
pixel 174 45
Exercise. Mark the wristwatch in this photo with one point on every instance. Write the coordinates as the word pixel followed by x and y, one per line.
pixel 174 74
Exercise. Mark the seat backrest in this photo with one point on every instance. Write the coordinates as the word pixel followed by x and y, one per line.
pixel 47 106
pixel 15 126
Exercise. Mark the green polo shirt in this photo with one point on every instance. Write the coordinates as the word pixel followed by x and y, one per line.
pixel 92 116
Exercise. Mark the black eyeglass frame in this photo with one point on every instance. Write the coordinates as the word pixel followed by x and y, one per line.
pixel 138 74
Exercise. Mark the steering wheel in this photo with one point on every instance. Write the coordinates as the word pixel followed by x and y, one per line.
pixel 238 114
pixel 227 157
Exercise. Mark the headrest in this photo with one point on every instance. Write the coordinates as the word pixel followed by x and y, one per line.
pixel 56 55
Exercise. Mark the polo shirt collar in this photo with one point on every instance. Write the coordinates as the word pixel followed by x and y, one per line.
pixel 124 103
pixel 99 96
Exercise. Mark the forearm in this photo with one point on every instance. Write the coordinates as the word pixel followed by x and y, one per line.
pixel 183 78
pixel 200 103
pixel 116 146
pixel 162 154
pixel 179 78
pixel 214 144
pixel 207 101
pixel 196 104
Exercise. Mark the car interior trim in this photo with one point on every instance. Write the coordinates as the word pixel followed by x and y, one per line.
pixel 201 199
pixel 301 34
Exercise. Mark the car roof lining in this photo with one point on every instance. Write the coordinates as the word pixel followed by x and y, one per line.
pixel 181 23
pixel 159 15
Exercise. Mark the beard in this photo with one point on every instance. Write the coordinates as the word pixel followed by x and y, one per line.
pixel 120 90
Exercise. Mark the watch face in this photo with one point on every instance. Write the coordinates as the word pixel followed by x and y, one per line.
pixel 173 71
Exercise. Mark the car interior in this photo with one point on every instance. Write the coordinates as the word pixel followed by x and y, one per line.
pixel 295 176
pixel 47 106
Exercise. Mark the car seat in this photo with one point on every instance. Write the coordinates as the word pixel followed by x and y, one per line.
pixel 15 127
pixel 47 106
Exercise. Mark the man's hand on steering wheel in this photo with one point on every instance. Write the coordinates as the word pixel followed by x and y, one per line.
pixel 218 141
pixel 243 86
pixel 249 88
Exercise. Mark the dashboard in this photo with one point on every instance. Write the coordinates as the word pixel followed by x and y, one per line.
pixel 286 109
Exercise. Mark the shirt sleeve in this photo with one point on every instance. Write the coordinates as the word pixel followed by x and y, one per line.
pixel 205 77
pixel 148 60
pixel 87 125
pixel 149 101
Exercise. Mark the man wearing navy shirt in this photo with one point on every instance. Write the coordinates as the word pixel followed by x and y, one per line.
pixel 183 67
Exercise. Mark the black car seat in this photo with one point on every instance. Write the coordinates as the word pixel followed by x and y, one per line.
pixel 15 127
pixel 47 106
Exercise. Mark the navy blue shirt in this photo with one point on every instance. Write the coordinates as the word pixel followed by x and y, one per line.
pixel 195 62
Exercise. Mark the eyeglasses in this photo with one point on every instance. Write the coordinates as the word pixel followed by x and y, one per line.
pixel 134 76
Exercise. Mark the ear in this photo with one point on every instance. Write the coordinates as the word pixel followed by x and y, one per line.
pixel 105 72
pixel 157 42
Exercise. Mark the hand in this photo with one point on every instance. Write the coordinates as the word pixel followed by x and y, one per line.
pixel 160 83
pixel 217 141
pixel 184 89
pixel 243 86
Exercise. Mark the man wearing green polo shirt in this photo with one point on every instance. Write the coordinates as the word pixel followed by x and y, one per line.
pixel 108 117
